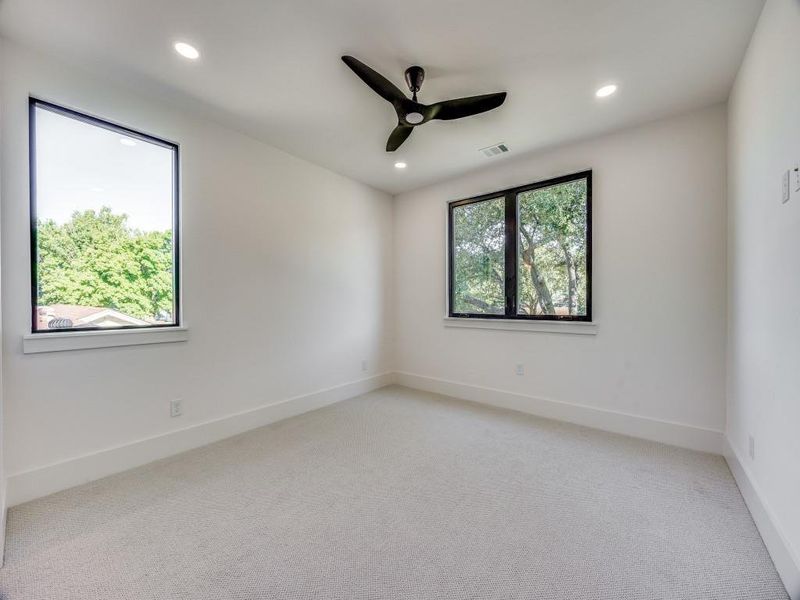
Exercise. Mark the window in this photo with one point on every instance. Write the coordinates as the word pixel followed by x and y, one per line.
pixel 104 224
pixel 524 253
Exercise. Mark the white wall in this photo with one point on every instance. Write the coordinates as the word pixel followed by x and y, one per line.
pixel 285 287
pixel 3 509
pixel 659 289
pixel 764 276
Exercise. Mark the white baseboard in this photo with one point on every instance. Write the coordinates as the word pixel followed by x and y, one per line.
pixel 42 481
pixel 668 432
pixel 783 555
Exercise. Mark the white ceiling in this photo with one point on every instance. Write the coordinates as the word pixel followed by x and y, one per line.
pixel 272 68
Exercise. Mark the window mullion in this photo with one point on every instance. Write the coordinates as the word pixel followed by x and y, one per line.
pixel 511 255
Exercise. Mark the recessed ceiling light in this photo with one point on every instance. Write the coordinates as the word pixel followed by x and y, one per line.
pixel 606 90
pixel 187 50
pixel 400 165
pixel 97 189
pixel 127 142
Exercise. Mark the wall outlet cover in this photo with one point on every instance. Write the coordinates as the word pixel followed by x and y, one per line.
pixel 175 408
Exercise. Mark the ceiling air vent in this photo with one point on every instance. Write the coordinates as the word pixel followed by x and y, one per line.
pixel 491 151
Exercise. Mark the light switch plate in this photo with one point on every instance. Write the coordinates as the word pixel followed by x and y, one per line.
pixel 785 184
pixel 797 177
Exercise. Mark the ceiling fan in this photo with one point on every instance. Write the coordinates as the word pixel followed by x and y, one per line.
pixel 411 113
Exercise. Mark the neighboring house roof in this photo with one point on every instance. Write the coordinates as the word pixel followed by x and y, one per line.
pixel 84 316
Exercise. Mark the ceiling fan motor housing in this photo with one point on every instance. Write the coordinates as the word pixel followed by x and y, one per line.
pixel 414 77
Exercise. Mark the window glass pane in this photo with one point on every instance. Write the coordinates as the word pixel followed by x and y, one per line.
pixel 104 205
pixel 551 275
pixel 479 257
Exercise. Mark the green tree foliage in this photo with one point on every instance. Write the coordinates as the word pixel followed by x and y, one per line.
pixel 479 232
pixel 97 260
pixel 551 273
pixel 552 250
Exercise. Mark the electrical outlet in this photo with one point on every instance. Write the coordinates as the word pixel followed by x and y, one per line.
pixel 364 365
pixel 785 180
pixel 175 408
pixel 520 369
pixel 751 450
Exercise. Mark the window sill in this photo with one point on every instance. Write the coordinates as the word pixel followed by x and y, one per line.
pixel 562 327
pixel 34 343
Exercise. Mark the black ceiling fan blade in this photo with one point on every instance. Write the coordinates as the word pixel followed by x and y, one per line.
pixel 465 107
pixel 398 136
pixel 382 86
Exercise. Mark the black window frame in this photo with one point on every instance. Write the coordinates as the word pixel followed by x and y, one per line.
pixel 33 104
pixel 512 250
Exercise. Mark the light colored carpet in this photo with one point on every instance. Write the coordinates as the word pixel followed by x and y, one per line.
pixel 399 494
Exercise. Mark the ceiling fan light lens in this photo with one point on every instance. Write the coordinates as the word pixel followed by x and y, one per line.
pixel 605 91
pixel 414 118
pixel 187 50
pixel 400 165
